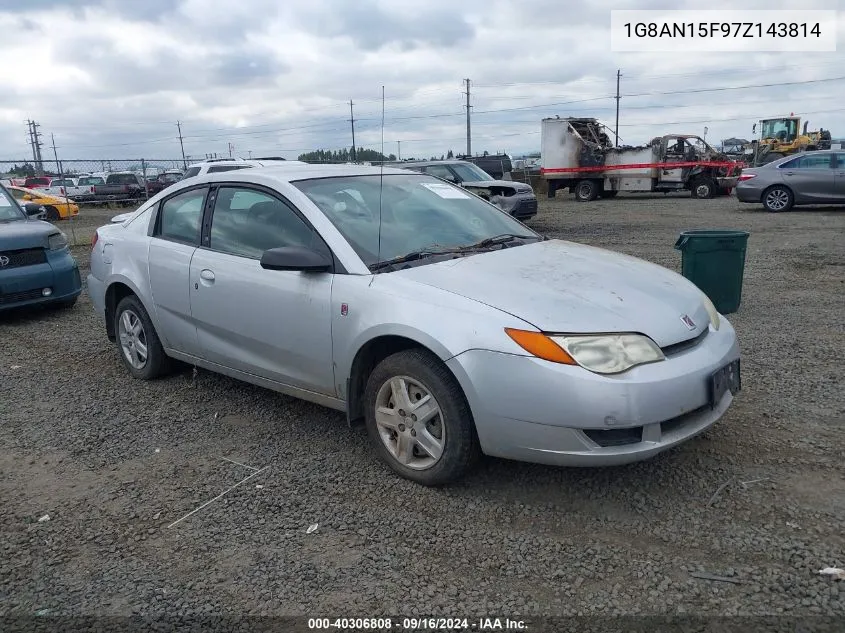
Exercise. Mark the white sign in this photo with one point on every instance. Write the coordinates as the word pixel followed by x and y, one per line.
pixel 445 191
pixel 710 31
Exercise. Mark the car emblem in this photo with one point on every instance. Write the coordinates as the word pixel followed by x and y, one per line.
pixel 688 322
pixel 4 261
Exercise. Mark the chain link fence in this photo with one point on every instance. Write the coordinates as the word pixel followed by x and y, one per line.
pixel 114 182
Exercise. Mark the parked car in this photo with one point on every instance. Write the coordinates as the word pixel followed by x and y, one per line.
pixel 37 182
pixel 121 185
pixel 515 198
pixel 808 178
pixel 447 326
pixel 497 165
pixel 217 165
pixel 55 207
pixel 62 188
pixel 36 266
pixel 162 181
pixel 87 187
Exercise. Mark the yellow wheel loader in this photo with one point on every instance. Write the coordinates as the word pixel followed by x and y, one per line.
pixel 781 137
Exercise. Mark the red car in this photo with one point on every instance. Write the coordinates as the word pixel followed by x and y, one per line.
pixel 37 182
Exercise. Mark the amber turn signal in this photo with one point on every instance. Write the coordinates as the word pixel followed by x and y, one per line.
pixel 540 345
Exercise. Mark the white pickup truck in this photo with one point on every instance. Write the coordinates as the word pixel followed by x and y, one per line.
pixel 62 188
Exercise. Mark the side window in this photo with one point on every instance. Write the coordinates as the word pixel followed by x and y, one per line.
pixel 247 222
pixel 18 194
pixel 440 171
pixel 840 160
pixel 180 217
pixel 193 171
pixel 816 161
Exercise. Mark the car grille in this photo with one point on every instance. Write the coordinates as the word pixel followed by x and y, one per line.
pixel 17 297
pixel 615 437
pixel 685 345
pixel 25 257
pixel 526 207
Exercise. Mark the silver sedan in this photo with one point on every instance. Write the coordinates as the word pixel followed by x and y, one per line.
pixel 808 178
pixel 447 326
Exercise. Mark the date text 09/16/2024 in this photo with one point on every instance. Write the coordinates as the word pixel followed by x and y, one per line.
pixel 418 624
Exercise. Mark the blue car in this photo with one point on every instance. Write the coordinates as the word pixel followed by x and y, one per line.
pixel 36 266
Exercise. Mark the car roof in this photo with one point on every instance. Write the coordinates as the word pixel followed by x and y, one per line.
pixel 423 163
pixel 283 173
pixel 255 162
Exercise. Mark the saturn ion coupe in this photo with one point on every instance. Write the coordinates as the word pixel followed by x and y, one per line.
pixel 445 325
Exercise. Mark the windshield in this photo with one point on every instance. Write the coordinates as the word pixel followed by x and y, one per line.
pixel 468 172
pixel 781 129
pixel 9 209
pixel 419 212
pixel 92 180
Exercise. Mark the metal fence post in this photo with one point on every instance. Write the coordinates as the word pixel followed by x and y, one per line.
pixel 144 175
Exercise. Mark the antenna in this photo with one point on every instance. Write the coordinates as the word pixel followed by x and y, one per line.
pixel 380 182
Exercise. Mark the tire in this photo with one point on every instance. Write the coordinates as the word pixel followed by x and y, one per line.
pixel 778 198
pixel 586 190
pixel 703 188
pixel 53 214
pixel 157 362
pixel 609 194
pixel 421 377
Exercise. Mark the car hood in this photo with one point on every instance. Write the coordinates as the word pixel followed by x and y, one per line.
pixel 521 187
pixel 564 287
pixel 24 234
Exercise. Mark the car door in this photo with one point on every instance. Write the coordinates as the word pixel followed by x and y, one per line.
pixel 270 323
pixel 839 176
pixel 175 237
pixel 811 177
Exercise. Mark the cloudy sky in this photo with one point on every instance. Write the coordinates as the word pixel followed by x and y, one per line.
pixel 110 78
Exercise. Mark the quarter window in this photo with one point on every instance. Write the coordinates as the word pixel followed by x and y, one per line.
pixel 247 222
pixel 180 216
pixel 219 168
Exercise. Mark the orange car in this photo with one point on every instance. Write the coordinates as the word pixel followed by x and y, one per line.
pixel 57 208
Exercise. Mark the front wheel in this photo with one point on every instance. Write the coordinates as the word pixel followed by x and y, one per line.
pixel 777 199
pixel 418 419
pixel 53 214
pixel 140 348
pixel 703 188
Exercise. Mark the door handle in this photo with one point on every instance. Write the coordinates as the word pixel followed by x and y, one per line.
pixel 206 275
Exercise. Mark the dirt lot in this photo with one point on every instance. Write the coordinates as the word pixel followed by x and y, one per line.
pixel 758 499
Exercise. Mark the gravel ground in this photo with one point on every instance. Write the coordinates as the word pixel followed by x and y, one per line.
pixel 758 499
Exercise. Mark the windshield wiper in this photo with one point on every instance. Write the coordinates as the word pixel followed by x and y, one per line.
pixel 504 238
pixel 410 257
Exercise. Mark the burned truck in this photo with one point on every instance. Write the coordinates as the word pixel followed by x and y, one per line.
pixel 577 154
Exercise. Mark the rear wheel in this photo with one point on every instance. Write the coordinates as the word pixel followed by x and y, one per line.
pixel 140 348
pixel 586 190
pixel 53 214
pixel 778 198
pixel 418 418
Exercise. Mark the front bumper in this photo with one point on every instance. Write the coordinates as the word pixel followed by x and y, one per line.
pixel 532 410
pixel 23 286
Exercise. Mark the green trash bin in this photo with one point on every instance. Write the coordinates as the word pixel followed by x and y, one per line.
pixel 714 260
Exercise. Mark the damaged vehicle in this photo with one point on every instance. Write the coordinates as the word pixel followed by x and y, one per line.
pixel 444 326
pixel 577 154
pixel 515 198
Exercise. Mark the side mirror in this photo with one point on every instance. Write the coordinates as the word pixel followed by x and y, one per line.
pixel 295 258
pixel 32 209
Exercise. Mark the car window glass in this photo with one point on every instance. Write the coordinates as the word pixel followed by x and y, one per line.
pixel 193 171
pixel 816 161
pixel 181 215
pixel 840 160
pixel 18 194
pixel 441 171
pixel 247 222
pixel 219 168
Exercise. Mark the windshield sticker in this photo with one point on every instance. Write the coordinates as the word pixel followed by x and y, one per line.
pixel 445 191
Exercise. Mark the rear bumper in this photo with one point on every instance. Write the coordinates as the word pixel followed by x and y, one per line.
pixel 747 193
pixel 21 287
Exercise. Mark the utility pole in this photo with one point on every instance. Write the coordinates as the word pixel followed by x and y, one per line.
pixel 181 145
pixel 352 121
pixel 618 97
pixel 469 129
pixel 398 150
pixel 34 136
pixel 231 147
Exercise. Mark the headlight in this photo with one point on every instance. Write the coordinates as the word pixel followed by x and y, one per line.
pixel 712 311
pixel 57 241
pixel 600 353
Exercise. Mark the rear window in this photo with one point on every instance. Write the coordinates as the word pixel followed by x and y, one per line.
pixel 31 182
pixel 61 183
pixel 91 180
pixel 122 179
